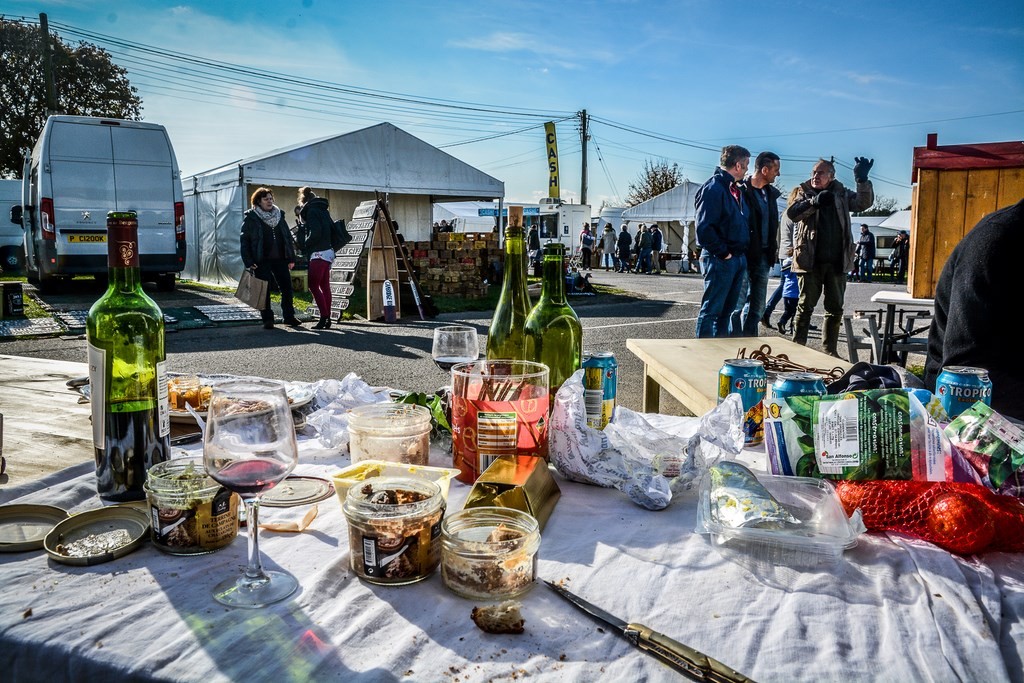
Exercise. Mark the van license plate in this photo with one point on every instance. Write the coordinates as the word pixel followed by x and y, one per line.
pixel 87 238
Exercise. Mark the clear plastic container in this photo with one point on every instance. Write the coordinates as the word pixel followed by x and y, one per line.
pixel 818 538
pixel 368 469
pixel 394 529
pixel 191 513
pixel 394 432
pixel 489 553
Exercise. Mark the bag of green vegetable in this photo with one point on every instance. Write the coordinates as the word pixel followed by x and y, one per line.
pixel 992 445
pixel 858 435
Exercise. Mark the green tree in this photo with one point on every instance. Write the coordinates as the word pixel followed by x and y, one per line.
pixel 883 206
pixel 657 177
pixel 88 83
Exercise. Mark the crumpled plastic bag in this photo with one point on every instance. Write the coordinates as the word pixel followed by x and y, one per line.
pixel 646 456
pixel 333 399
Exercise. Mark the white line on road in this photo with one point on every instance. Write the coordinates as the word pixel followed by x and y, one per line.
pixel 645 322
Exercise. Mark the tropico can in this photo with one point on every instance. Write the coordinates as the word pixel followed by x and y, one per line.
pixel 746 377
pixel 600 379
pixel 959 387
pixel 786 385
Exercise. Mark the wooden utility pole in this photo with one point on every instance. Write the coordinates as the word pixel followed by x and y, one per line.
pixel 584 136
pixel 51 90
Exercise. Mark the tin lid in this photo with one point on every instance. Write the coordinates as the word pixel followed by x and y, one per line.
pixel 97 536
pixel 966 370
pixel 23 527
pixel 297 490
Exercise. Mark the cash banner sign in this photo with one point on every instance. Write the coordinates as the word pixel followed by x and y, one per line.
pixel 552 144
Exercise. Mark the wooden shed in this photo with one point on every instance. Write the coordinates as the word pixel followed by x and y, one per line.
pixel 954 187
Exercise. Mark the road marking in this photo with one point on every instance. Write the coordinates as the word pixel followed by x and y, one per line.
pixel 645 322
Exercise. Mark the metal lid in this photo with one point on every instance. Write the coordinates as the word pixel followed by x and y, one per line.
pixel 23 527
pixel 97 536
pixel 297 490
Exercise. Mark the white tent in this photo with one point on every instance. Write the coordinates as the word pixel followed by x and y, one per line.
pixel 899 220
pixel 674 212
pixel 466 215
pixel 346 169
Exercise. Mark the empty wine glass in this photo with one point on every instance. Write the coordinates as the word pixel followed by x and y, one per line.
pixel 249 447
pixel 454 344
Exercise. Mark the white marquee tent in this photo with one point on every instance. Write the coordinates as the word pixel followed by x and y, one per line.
pixel 346 169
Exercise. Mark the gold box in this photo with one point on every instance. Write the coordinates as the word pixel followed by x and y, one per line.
pixel 522 482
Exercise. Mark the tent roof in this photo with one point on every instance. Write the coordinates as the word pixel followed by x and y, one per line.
pixel 899 220
pixel 381 157
pixel 673 205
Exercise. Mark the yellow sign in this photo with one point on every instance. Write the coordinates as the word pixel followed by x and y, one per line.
pixel 552 144
pixel 86 238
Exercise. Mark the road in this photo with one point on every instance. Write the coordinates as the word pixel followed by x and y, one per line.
pixel 398 355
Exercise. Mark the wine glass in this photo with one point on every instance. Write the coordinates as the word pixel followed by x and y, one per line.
pixel 249 447
pixel 454 344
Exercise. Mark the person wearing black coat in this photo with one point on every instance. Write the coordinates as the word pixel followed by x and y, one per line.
pixel 316 245
pixel 267 248
pixel 762 199
pixel 625 248
pixel 976 300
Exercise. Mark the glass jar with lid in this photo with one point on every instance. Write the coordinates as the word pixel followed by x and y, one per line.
pixel 394 529
pixel 489 553
pixel 191 514
pixel 393 432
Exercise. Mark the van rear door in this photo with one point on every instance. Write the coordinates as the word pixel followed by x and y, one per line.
pixel 82 185
pixel 144 183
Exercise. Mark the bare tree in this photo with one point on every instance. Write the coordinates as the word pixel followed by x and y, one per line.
pixel 657 177
pixel 883 206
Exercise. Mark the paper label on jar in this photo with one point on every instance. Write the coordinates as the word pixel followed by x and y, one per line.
pixel 496 436
pixel 391 557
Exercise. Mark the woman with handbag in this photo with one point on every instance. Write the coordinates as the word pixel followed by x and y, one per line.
pixel 268 250
pixel 318 225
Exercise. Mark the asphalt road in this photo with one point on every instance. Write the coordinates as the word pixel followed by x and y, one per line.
pixel 398 355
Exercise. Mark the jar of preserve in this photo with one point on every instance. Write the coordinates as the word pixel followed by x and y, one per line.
pixel 489 553
pixel 394 529
pixel 394 432
pixel 191 513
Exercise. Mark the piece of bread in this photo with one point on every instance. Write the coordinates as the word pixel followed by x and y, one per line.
pixel 501 618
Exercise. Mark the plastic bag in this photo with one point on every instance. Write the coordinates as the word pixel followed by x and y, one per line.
pixel 333 399
pixel 646 462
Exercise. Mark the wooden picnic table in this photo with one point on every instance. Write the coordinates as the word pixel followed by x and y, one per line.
pixel 688 368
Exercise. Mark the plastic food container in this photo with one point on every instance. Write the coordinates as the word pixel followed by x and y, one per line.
pixel 819 537
pixel 394 432
pixel 489 553
pixel 394 529
pixel 368 469
pixel 191 514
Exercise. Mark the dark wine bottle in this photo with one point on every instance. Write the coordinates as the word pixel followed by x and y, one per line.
pixel 127 375
pixel 554 335
pixel 506 338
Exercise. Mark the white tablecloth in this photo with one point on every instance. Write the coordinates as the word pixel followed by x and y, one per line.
pixel 894 610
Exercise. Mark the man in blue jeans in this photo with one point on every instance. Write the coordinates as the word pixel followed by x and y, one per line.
pixel 724 236
pixel 763 219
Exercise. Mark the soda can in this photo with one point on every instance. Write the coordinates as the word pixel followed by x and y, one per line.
pixel 786 385
pixel 746 377
pixel 959 387
pixel 600 379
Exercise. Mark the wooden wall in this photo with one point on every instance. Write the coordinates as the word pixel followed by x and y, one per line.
pixel 946 205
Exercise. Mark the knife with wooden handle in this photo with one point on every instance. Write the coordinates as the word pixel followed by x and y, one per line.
pixel 682 658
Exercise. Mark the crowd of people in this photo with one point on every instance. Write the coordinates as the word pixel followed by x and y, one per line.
pixel 623 252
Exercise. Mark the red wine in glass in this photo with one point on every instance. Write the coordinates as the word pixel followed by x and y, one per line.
pixel 250 478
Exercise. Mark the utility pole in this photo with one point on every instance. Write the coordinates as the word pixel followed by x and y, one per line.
pixel 584 136
pixel 51 94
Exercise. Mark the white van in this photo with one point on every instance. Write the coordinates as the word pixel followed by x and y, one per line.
pixel 12 251
pixel 82 167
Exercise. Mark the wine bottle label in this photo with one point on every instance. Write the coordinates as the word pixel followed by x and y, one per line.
pixel 122 242
pixel 97 393
pixel 163 400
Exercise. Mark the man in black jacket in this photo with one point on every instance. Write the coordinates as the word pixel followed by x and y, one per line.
pixel 762 253
pixel 976 297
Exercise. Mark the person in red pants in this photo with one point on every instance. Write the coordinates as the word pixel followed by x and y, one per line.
pixel 317 226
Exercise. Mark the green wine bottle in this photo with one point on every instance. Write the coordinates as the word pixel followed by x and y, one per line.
pixel 506 338
pixel 554 335
pixel 127 376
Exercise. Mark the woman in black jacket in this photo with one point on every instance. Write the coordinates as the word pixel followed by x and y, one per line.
pixel 317 222
pixel 268 249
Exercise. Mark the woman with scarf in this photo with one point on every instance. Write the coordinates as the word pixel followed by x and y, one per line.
pixel 317 222
pixel 268 249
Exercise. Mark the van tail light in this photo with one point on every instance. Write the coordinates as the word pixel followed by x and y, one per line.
pixel 179 221
pixel 48 225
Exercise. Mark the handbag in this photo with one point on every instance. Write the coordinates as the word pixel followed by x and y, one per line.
pixel 251 290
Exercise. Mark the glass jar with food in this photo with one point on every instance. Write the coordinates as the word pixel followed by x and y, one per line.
pixel 489 553
pixel 393 432
pixel 191 513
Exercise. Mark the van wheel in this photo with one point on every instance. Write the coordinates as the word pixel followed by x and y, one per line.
pixel 12 261
pixel 48 285
pixel 165 283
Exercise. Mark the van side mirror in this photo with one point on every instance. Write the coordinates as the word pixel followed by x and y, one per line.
pixel 16 214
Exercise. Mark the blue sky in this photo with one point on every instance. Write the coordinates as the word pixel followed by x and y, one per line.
pixel 803 79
